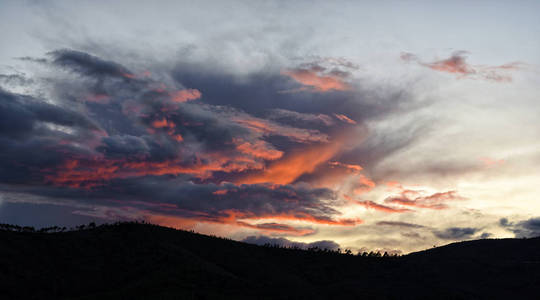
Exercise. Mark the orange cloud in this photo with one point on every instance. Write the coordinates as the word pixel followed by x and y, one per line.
pixel 170 126
pixel 278 227
pixel 128 75
pixel 375 206
pixel 305 217
pixel 457 64
pixel 491 162
pixel 163 123
pixel 220 192
pixel 380 207
pixel 235 217
pixel 353 168
pixel 345 119
pixel 365 185
pixel 92 172
pixel 266 127
pixel 259 149
pixel 316 81
pixel 434 201
pixel 454 64
pixel 241 220
pixel 292 166
pixel 178 137
pixel 185 95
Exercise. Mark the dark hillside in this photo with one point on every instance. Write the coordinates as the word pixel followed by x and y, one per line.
pixel 141 261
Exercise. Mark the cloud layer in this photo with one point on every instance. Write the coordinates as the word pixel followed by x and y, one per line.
pixel 182 151
pixel 294 151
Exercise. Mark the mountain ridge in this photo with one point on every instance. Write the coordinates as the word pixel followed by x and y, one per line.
pixel 144 261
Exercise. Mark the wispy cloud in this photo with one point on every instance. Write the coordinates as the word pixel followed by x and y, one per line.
pixel 457 64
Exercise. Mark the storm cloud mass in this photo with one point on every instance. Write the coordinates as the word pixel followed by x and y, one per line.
pixel 264 134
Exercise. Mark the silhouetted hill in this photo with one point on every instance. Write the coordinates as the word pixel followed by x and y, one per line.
pixel 142 261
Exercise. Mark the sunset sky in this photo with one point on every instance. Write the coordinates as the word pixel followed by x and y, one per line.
pixel 372 125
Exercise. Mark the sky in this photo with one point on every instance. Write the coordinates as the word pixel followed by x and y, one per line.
pixel 369 125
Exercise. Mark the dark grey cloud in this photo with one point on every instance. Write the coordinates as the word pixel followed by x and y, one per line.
pixel 124 146
pixel 303 119
pixel 119 139
pixel 257 93
pixel 523 229
pixel 399 224
pixel 456 233
pixel 201 200
pixel 22 115
pixel 32 136
pixel 283 242
pixel 504 222
pixel 485 235
pixel 88 65
pixel 14 80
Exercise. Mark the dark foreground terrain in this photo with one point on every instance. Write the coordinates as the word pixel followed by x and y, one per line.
pixel 141 261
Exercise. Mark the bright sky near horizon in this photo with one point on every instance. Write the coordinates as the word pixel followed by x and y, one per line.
pixel 380 125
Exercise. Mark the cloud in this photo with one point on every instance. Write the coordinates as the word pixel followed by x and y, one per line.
pixel 485 235
pixel 89 65
pixel 265 127
pixel 283 242
pixel 312 80
pixel 457 64
pixel 14 80
pixel 278 228
pixel 380 207
pixel 399 224
pixel 297 163
pixel 454 64
pixel 293 117
pixel 345 119
pixel 523 229
pixel 194 145
pixel 456 233
pixel 416 199
pixel 322 75
pixel 185 95
pixel 490 162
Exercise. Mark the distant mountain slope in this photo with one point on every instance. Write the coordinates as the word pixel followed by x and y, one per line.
pixel 489 249
pixel 141 261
